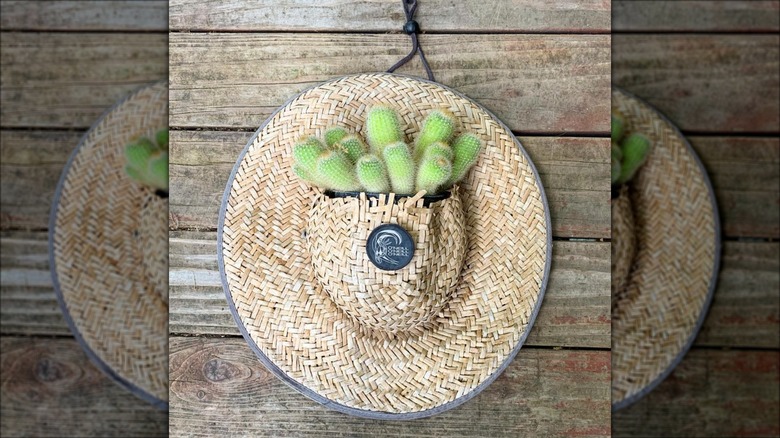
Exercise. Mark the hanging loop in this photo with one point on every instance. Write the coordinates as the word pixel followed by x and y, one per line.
pixel 412 28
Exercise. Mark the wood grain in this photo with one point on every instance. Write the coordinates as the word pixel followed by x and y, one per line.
pixel 704 83
pixel 711 393
pixel 219 388
pixel 31 163
pixel 745 311
pixel 27 302
pixel 699 16
pixel 493 16
pixel 575 311
pixel 84 15
pixel 67 80
pixel 745 177
pixel 534 83
pixel 50 388
pixel 573 172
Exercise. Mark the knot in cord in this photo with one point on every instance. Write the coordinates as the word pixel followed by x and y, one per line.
pixel 412 28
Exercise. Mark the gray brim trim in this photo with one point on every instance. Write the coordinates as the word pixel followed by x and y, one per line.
pixel 97 360
pixel 327 402
pixel 713 280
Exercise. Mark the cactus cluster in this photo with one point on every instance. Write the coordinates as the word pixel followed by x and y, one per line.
pixel 147 160
pixel 344 162
pixel 629 152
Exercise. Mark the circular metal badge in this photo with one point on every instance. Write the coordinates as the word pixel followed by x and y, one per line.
pixel 390 247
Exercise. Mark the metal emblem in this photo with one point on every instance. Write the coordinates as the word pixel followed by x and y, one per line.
pixel 390 247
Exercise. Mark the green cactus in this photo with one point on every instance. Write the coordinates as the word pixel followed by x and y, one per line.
pixel 618 125
pixel 382 128
pixel 147 162
pixel 335 172
pixel 400 167
pixel 306 152
pixel 162 139
pixel 304 174
pixel 440 149
pixel 334 135
pixel 371 173
pixel 465 151
pixel 617 153
pixel 352 146
pixel 433 173
pixel 635 148
pixel 438 126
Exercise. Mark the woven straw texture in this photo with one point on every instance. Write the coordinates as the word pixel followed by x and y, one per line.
pixel 623 244
pixel 393 301
pixel 294 323
pixel 109 245
pixel 669 285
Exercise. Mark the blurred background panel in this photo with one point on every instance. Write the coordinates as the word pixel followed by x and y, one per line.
pixel 63 64
pixel 713 68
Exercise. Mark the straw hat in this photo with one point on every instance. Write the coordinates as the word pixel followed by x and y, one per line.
pixel 108 249
pixel 321 342
pixel 665 288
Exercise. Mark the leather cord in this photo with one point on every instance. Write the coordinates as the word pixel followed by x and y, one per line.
pixel 412 28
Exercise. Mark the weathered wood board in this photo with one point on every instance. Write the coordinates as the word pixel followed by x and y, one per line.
pixel 696 15
pixel 534 83
pixel 704 82
pixel 114 15
pixel 745 176
pixel 67 80
pixel 50 388
pixel 488 16
pixel 218 387
pixel 711 393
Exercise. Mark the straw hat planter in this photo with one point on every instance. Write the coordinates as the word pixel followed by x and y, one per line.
pixel 378 289
pixel 665 248
pixel 108 244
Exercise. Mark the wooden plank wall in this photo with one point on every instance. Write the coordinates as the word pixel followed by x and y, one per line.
pixel 712 67
pixel 64 63
pixel 542 67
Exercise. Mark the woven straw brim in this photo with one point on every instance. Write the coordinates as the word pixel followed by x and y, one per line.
pixel 109 247
pixel 675 264
pixel 297 330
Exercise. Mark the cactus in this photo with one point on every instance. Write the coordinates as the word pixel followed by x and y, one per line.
pixel 335 172
pixel 334 135
pixel 352 146
pixel 465 151
pixel 306 153
pixel 437 127
pixel 434 171
pixel 147 162
pixel 382 128
pixel 400 167
pixel 371 173
pixel 162 139
pixel 344 162
pixel 636 148
pixel 617 153
pixel 440 149
pixel 618 125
